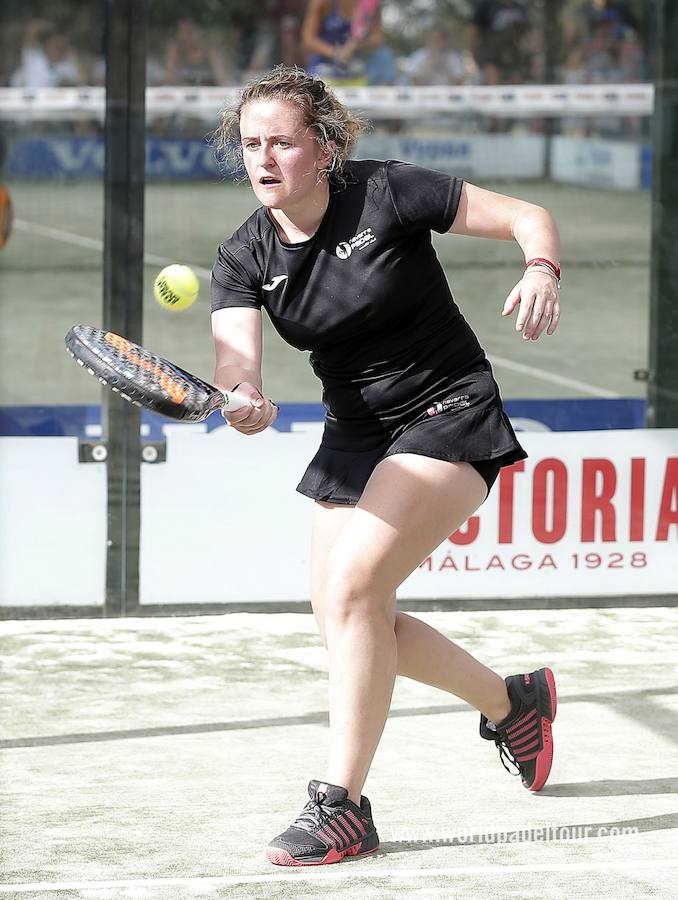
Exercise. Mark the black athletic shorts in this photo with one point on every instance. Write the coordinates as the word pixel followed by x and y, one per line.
pixel 470 425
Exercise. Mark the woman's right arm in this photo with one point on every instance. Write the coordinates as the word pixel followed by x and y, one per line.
pixel 238 346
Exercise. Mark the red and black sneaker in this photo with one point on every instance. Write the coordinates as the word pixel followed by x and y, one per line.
pixel 329 828
pixel 524 736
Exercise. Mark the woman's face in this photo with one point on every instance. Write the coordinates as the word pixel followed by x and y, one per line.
pixel 282 156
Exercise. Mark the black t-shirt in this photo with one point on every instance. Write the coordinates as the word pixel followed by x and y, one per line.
pixel 366 294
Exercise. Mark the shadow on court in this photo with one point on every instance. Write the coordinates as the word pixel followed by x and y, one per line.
pixel 155 758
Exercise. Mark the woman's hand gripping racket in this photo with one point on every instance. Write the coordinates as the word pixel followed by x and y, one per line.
pixel 145 379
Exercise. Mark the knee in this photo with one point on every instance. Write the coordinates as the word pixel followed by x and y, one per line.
pixel 353 592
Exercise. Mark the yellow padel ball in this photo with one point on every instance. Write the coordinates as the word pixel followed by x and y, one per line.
pixel 176 287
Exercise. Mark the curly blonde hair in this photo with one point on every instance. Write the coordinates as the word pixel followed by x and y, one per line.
pixel 336 128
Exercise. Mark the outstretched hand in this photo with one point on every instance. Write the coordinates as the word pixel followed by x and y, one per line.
pixel 537 294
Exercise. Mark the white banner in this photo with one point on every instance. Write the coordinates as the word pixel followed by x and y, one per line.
pixel 52 524
pixel 468 156
pixel 596 162
pixel 592 161
pixel 383 101
pixel 589 514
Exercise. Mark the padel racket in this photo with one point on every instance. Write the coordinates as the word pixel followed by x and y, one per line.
pixel 146 379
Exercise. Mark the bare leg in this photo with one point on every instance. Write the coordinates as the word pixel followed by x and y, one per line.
pixel 363 659
pixel 424 654
pixel 409 506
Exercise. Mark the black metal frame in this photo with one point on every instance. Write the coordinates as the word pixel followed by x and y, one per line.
pixel 125 142
pixel 662 395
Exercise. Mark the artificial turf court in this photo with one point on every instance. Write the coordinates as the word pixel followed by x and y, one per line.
pixel 52 278
pixel 153 759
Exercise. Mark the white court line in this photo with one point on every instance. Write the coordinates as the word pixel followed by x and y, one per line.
pixel 68 237
pixel 79 240
pixel 347 873
pixel 582 386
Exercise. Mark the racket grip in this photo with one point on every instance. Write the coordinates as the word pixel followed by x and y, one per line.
pixel 233 401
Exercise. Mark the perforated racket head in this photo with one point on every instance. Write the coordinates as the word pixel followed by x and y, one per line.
pixel 142 377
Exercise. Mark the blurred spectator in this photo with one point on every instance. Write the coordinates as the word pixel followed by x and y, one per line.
pixel 292 14
pixel 290 41
pixel 155 71
pixel 437 63
pixel 574 69
pixel 500 40
pixel 601 56
pixel 604 50
pixel 617 16
pixel 47 59
pixel 631 63
pixel 191 58
pixel 604 36
pixel 273 36
pixel 345 42
pixel 258 44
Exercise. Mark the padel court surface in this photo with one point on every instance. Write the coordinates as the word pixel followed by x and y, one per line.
pixel 155 758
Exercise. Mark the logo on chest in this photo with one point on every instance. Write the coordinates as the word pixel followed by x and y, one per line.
pixel 273 284
pixel 357 242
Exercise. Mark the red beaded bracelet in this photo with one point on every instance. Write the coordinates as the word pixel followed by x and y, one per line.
pixel 541 261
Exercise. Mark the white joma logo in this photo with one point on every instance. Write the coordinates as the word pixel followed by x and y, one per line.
pixel 275 281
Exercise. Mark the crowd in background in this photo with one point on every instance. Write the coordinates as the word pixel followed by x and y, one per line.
pixel 350 42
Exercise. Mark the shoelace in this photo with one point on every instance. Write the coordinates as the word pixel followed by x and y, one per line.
pixel 506 755
pixel 312 815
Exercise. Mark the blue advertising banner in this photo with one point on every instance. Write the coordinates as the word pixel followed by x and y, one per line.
pixel 83 157
pixel 610 164
pixel 587 414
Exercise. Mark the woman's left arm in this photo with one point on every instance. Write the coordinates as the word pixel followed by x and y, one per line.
pixel 486 214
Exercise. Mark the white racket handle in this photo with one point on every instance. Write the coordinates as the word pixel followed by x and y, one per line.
pixel 233 401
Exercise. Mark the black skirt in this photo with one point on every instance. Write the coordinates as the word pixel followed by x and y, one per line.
pixel 468 425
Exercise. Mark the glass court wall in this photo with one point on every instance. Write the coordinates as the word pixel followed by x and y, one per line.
pixel 202 497
pixel 52 525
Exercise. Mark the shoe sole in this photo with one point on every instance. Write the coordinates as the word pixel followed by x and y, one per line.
pixel 544 760
pixel 280 857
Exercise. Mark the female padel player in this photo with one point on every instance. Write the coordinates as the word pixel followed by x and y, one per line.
pixel 340 256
